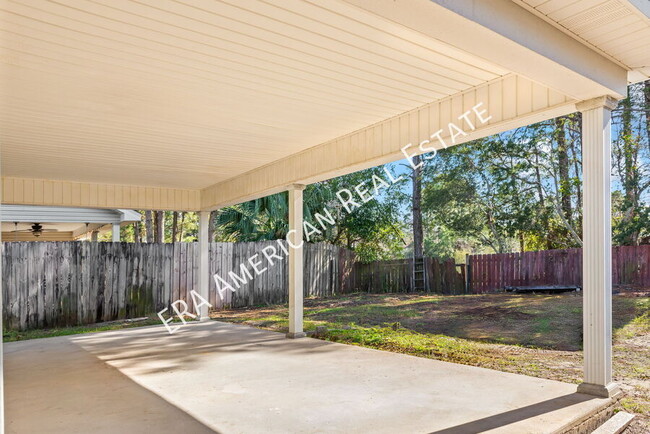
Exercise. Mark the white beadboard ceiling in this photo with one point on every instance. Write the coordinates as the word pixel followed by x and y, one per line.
pixel 189 93
pixel 618 29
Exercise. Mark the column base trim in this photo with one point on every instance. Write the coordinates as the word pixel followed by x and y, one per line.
pixel 296 335
pixel 610 391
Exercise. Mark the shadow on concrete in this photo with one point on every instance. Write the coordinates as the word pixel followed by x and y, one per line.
pixel 185 348
pixel 53 386
pixel 517 415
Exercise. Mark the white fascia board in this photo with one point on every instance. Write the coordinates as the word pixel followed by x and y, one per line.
pixel 504 33
pixel 641 6
pixel 129 216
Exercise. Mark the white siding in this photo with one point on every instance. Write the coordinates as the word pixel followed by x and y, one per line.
pixel 78 194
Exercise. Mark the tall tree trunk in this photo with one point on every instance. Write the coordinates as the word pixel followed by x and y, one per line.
pixel 563 166
pixel 540 194
pixel 576 120
pixel 500 245
pixel 630 175
pixel 542 201
pixel 148 225
pixel 416 208
pixel 136 232
pixel 182 227
pixel 539 185
pixel 160 226
pixel 174 226
pixel 212 225
pixel 646 98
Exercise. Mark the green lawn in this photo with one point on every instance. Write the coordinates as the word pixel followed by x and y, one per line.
pixel 13 335
pixel 537 335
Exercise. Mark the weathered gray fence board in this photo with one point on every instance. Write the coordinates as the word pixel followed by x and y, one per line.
pixel 270 287
pixel 69 283
pixel 50 284
pixel 395 275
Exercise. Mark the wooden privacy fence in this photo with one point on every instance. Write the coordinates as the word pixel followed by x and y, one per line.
pixel 445 277
pixel 328 270
pixel 48 284
pixel 488 273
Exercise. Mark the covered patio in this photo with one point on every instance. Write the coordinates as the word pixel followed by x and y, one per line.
pixel 218 377
pixel 197 105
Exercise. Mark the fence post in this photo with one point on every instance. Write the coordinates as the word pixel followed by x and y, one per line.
pixel 468 274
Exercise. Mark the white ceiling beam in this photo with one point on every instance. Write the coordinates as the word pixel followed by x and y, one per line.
pixel 512 38
pixel 511 101
pixel 50 214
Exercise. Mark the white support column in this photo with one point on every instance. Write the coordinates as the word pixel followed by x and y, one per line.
pixel 597 247
pixel 294 238
pixel 116 232
pixel 204 262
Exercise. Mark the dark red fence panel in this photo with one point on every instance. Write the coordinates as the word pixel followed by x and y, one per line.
pixel 488 273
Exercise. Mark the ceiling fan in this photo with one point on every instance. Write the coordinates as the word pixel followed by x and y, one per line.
pixel 36 229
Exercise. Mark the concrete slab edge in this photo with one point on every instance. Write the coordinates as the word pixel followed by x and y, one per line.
pixel 616 424
pixel 591 420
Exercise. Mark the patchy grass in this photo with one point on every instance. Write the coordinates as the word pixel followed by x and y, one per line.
pixel 537 335
pixel 538 321
pixel 12 336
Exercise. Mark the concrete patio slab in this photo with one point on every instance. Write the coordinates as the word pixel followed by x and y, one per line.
pixel 234 379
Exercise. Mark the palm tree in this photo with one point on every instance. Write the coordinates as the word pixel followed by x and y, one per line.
pixel 266 218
